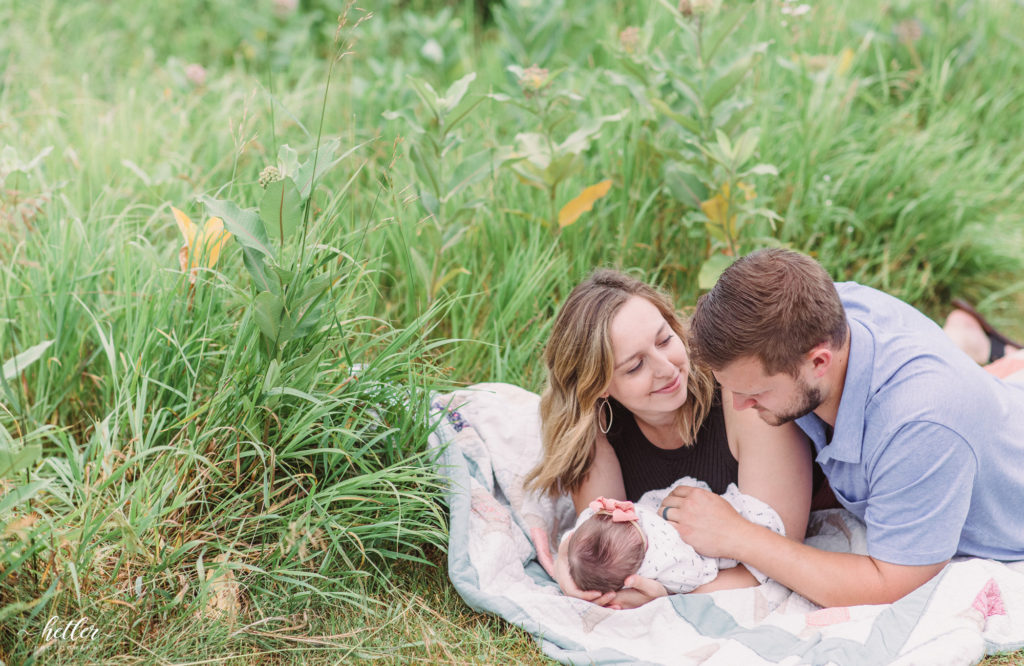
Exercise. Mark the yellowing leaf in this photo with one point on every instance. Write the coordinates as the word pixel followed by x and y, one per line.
pixel 845 61
pixel 202 246
pixel 224 590
pixel 582 203
pixel 716 208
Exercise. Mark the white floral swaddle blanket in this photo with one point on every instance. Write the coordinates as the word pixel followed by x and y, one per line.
pixel 673 562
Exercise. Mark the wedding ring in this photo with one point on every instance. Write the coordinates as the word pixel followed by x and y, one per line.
pixel 664 513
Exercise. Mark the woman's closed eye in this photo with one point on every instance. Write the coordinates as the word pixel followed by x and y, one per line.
pixel 660 343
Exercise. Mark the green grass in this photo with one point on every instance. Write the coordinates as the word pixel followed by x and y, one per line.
pixel 167 438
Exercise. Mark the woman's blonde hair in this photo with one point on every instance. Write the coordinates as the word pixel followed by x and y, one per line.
pixel 580 362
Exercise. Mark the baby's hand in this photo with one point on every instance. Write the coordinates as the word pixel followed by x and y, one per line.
pixel 637 592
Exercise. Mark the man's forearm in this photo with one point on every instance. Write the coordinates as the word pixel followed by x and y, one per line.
pixel 827 578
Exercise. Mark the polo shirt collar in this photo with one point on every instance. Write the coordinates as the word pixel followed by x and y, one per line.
pixel 848 438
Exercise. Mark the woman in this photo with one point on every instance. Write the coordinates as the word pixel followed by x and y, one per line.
pixel 625 411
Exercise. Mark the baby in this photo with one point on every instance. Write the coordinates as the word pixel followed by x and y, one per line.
pixel 614 539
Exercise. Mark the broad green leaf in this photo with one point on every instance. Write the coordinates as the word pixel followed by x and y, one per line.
pixel 308 314
pixel 281 210
pixel 430 202
pixel 724 84
pixel 287 161
pixel 745 147
pixel 579 140
pixel 257 267
pixel 454 122
pixel 534 147
pixel 716 38
pixel 527 174
pixel 715 152
pixel 456 92
pixel 407 116
pixel 561 168
pixel 243 223
pixel 309 320
pixel 284 276
pixel 725 145
pixel 21 493
pixel 762 170
pixel 323 159
pixel 685 121
pixel 711 269
pixel 426 169
pixel 688 91
pixel 583 202
pixel 684 185
pixel 15 365
pixel 427 94
pixel 471 170
pixel 12 462
pixel 267 311
pixel 449 142
pixel 273 375
pixel 729 115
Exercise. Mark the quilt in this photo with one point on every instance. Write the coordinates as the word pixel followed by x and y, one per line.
pixel 488 438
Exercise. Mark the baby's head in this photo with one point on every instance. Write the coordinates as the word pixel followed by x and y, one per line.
pixel 607 548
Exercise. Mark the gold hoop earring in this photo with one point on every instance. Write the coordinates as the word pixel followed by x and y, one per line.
pixel 600 412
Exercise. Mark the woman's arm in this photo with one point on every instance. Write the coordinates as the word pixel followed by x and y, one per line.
pixel 604 479
pixel 729 579
pixel 775 465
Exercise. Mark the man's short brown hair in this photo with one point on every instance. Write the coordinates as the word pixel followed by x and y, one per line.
pixel 775 305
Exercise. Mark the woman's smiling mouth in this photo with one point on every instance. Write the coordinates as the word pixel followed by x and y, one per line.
pixel 671 387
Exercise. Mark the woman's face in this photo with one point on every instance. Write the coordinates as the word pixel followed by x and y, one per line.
pixel 651 364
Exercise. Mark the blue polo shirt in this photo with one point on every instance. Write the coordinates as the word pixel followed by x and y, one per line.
pixel 928 448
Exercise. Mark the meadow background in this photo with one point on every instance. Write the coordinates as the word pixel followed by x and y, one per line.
pixel 218 455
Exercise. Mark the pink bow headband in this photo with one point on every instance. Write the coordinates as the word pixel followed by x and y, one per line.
pixel 621 511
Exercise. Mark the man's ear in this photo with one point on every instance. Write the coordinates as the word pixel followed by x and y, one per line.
pixel 820 358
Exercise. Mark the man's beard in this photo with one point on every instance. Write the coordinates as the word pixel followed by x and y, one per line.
pixel 810 399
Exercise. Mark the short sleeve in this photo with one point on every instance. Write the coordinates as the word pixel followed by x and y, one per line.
pixel 920 487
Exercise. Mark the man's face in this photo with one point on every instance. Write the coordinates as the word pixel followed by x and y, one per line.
pixel 777 398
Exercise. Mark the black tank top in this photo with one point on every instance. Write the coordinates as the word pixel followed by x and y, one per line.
pixel 646 467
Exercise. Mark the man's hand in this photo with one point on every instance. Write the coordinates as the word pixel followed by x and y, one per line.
pixel 704 520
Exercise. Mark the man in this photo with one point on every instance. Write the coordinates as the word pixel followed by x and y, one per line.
pixel 916 439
